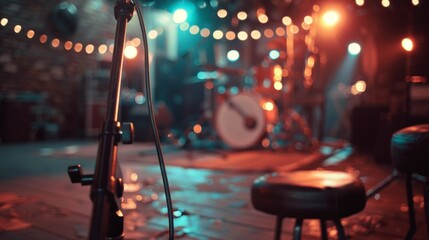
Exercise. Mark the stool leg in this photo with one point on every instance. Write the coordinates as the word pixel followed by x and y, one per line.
pixel 297 229
pixel 426 199
pixel 411 212
pixel 323 229
pixel 278 231
pixel 340 229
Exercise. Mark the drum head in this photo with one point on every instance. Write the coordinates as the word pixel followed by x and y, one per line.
pixel 240 121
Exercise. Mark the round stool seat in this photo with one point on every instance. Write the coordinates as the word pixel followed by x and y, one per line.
pixel 309 194
pixel 410 149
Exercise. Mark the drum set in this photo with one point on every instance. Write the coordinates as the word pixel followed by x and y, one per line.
pixel 249 113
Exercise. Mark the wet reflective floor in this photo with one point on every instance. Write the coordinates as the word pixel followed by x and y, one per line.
pixel 37 200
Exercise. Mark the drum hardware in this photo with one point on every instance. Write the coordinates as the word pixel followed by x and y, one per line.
pixel 242 119
pixel 248 121
pixel 292 130
pixel 201 135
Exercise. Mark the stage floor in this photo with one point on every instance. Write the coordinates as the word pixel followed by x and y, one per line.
pixel 210 192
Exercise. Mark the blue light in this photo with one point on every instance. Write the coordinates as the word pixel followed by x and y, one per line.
pixel 221 89
pixel 274 54
pixel 234 90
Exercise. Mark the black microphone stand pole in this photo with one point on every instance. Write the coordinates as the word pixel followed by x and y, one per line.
pixel 107 184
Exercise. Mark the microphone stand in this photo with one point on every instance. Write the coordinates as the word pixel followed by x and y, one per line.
pixel 107 187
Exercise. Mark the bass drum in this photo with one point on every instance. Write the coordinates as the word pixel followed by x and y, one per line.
pixel 242 120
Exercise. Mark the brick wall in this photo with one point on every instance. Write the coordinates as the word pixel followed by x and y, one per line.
pixel 34 73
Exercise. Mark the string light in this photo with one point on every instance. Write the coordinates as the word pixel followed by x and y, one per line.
pixel 17 28
pixel 102 49
pixel 204 32
pixel 68 45
pixel 89 48
pixel 255 34
pixel 287 20
pixel 242 35
pixel 268 33
pixel 218 34
pixel 194 29
pixel 184 26
pixel 242 15
pixel 30 34
pixel 78 47
pixel 222 13
pixel 4 21
pixel 55 42
pixel 230 35
pixel 152 34
pixel 43 38
pixel 360 2
pixel 385 3
pixel 280 31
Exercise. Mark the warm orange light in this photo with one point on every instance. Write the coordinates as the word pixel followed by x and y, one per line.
pixel 308 20
pixel 30 34
pixel 277 70
pixel 385 3
pixel 68 45
pixel 407 44
pixel 78 47
pixel 360 2
pixel 305 26
pixel 197 128
pixel 242 35
pixel 130 52
pixel 89 48
pixel 307 72
pixel 194 29
pixel 17 28
pixel 360 86
pixel 205 32
pixel 152 34
pixel 268 33
pixel 268 106
pixel 4 21
pixel 218 34
pixel 262 18
pixel 230 35
pixel 310 61
pixel 136 42
pixel 102 49
pixel 43 38
pixel 242 15
pixel 278 86
pixel 255 34
pixel 280 31
pixel 287 20
pixel 134 177
pixel 330 18
pixel 294 29
pixel 222 13
pixel 55 42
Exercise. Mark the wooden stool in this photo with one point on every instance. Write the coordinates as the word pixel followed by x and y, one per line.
pixel 410 154
pixel 324 195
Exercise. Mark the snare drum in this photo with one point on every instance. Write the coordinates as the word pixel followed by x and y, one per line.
pixel 242 119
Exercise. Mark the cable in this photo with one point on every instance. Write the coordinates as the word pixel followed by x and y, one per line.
pixel 154 126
